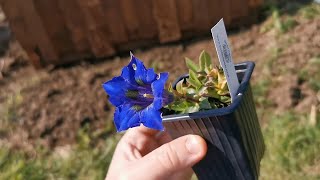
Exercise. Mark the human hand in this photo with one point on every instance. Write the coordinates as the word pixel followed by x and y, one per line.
pixel 143 153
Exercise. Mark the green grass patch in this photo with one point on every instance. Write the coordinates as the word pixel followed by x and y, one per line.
pixel 310 73
pixel 82 161
pixel 292 146
pixel 310 12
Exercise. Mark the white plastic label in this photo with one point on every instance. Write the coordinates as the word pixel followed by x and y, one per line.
pixel 220 39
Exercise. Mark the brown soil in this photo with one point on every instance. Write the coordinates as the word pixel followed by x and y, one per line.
pixel 57 102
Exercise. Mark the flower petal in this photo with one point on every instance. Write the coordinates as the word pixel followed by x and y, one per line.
pixel 126 117
pixel 158 85
pixel 151 118
pixel 151 76
pixel 128 74
pixel 157 90
pixel 116 88
pixel 140 72
pixel 142 75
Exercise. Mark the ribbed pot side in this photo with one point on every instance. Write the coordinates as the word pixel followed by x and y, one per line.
pixel 233 134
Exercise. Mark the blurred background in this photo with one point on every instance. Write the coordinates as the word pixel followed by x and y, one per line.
pixel 56 122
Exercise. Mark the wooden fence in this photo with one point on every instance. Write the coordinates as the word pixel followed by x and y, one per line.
pixel 61 31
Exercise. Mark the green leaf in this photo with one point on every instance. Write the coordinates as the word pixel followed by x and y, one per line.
pixel 225 99
pixel 213 93
pixel 178 106
pixel 191 91
pixel 184 107
pixel 179 87
pixel 204 104
pixel 205 61
pixel 202 62
pixel 203 91
pixel 193 109
pixel 194 77
pixel 194 83
pixel 191 65
pixel 170 88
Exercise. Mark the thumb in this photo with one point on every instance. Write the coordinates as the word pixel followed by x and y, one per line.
pixel 174 156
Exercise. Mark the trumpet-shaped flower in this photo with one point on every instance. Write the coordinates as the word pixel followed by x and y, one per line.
pixel 138 95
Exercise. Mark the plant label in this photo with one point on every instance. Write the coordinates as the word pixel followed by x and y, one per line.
pixel 220 39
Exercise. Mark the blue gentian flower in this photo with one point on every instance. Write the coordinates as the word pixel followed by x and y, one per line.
pixel 138 95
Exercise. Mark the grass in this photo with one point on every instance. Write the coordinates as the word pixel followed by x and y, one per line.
pixel 292 148
pixel 79 162
pixel 310 12
pixel 310 73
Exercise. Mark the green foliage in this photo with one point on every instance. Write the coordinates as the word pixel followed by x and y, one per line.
pixel 310 73
pixel 310 12
pixel 279 23
pixel 205 88
pixel 83 161
pixel 292 148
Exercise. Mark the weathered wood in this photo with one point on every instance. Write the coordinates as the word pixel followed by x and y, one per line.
pixel 214 11
pixel 225 10
pixel 239 12
pixel 76 26
pixel 185 14
pixel 54 22
pixel 38 33
pixel 96 28
pixel 130 17
pixel 147 21
pixel 255 3
pixel 60 31
pixel 113 15
pixel 27 26
pixel 166 16
pixel 201 21
pixel 17 23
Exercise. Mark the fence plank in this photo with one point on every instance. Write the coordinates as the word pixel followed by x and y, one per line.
pixel 214 11
pixel 43 42
pixel 185 14
pixel 55 25
pixel 113 15
pixel 28 28
pixel 59 31
pixel 96 26
pixel 165 13
pixel 239 8
pixel 226 11
pixel 201 21
pixel 148 24
pixel 255 3
pixel 130 17
pixel 76 25
pixel 17 23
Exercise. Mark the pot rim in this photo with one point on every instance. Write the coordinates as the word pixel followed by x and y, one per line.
pixel 245 68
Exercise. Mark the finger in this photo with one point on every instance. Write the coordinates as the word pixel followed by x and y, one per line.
pixel 142 130
pixel 174 156
pixel 142 140
pixel 135 135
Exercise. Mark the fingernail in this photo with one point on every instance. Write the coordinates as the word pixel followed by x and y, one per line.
pixel 192 145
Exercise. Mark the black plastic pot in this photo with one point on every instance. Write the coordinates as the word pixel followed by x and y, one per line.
pixel 233 134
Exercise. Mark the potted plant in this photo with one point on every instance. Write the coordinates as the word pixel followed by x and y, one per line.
pixel 197 103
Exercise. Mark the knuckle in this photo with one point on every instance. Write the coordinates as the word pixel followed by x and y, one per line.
pixel 168 157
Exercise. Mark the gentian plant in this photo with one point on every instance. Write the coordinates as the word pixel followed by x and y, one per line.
pixel 140 97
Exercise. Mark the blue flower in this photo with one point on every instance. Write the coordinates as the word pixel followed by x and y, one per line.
pixel 138 95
